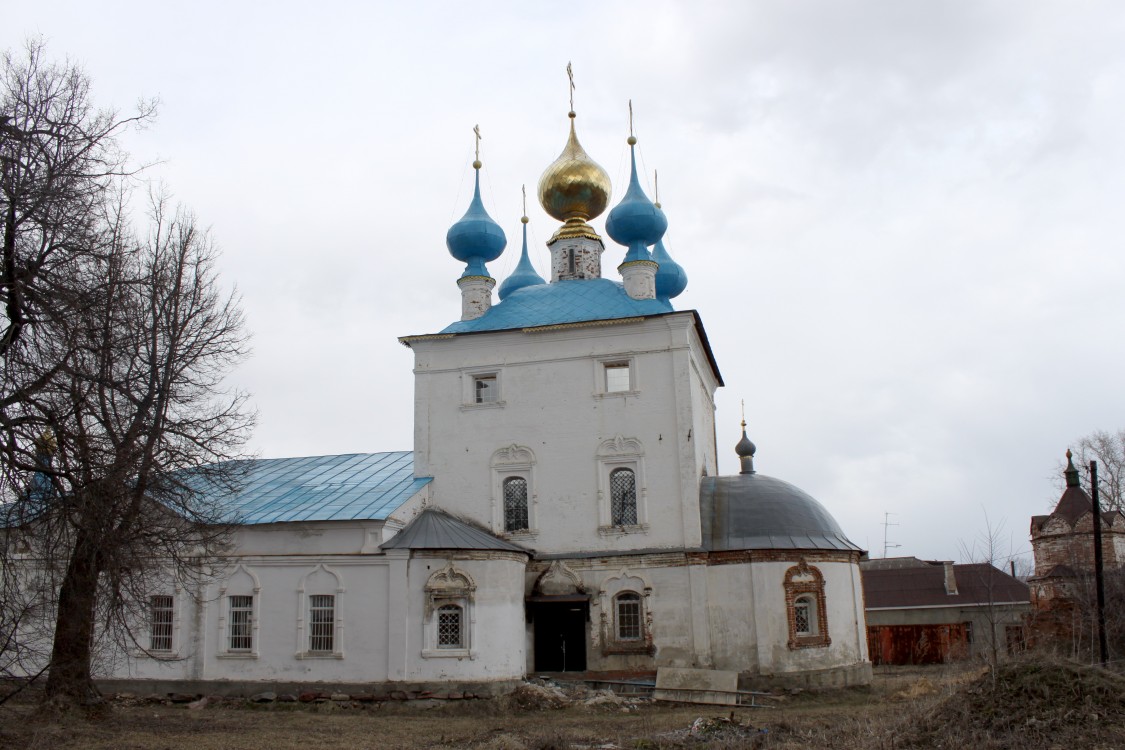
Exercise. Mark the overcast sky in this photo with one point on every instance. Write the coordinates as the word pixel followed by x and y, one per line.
pixel 902 221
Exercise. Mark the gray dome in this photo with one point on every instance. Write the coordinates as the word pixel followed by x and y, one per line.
pixel 753 511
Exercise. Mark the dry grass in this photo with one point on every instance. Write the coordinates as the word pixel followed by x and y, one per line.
pixel 1031 705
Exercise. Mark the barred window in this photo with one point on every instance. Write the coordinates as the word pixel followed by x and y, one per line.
pixel 322 622
pixel 623 497
pixel 629 617
pixel 161 611
pixel 515 504
pixel 449 627
pixel 241 623
pixel 803 619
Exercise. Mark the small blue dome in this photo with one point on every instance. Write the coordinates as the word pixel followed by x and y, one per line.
pixel 476 238
pixel 671 279
pixel 524 275
pixel 636 222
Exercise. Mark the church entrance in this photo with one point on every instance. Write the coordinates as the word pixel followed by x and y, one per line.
pixel 560 624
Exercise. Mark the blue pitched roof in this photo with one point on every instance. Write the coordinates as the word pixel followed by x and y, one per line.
pixel 368 486
pixel 570 301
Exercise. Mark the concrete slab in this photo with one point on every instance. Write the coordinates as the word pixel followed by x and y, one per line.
pixel 697 686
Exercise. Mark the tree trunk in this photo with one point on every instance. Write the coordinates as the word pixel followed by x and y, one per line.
pixel 69 680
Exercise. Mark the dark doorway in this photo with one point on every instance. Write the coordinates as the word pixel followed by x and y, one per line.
pixel 560 635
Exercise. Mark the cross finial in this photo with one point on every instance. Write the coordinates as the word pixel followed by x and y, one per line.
pixel 630 118
pixel 743 414
pixel 570 75
pixel 656 189
pixel 476 134
pixel 524 189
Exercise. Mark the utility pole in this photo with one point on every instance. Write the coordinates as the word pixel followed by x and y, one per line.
pixel 1099 578
pixel 887 523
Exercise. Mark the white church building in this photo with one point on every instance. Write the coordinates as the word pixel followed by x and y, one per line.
pixel 561 509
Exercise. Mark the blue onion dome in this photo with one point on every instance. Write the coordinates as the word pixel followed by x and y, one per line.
pixel 524 275
pixel 574 189
pixel 636 222
pixel 476 238
pixel 671 279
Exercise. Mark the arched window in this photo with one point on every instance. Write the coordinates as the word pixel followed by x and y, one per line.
pixel 623 497
pixel 805 607
pixel 515 504
pixel 450 626
pixel 629 620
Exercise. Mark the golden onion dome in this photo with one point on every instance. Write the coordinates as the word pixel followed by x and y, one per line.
pixel 574 189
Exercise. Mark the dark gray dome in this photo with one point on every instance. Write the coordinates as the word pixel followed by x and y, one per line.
pixel 753 511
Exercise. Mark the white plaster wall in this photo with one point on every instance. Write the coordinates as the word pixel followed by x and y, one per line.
pixel 201 644
pixel 550 402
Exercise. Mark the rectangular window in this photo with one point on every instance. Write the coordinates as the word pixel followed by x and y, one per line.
pixel 322 622
pixel 629 617
pixel 485 390
pixel 160 614
pixel 801 618
pixel 449 627
pixel 617 377
pixel 241 623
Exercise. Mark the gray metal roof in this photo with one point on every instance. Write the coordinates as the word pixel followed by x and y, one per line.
pixel 753 511
pixel 368 486
pixel 436 529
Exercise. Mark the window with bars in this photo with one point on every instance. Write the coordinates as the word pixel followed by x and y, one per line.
pixel 803 620
pixel 617 377
pixel 161 613
pixel 629 617
pixel 623 497
pixel 515 504
pixel 241 623
pixel 322 622
pixel 450 633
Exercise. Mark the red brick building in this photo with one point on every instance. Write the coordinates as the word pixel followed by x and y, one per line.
pixel 1063 544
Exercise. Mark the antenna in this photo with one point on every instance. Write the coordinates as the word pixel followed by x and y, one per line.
pixel 886 524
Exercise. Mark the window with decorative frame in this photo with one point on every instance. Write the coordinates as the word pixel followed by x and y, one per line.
pixel 448 622
pixel 320 596
pixel 239 600
pixel 621 488
pixel 162 616
pixel 513 492
pixel 804 606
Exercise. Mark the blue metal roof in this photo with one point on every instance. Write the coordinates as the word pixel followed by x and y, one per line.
pixel 570 301
pixel 368 486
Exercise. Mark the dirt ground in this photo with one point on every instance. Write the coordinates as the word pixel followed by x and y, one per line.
pixel 1028 706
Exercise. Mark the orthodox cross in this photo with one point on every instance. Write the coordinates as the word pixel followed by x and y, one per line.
pixel 570 75
pixel 630 118
pixel 524 189
pixel 476 134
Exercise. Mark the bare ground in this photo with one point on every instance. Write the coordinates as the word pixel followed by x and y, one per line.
pixel 1030 705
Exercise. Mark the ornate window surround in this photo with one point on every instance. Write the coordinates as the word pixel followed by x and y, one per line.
pixel 450 585
pixel 241 582
pixel 514 461
pixel 621 452
pixel 141 650
pixel 806 582
pixel 305 591
pixel 625 582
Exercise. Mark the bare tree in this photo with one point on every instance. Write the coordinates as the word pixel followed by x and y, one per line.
pixel 1108 449
pixel 116 427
